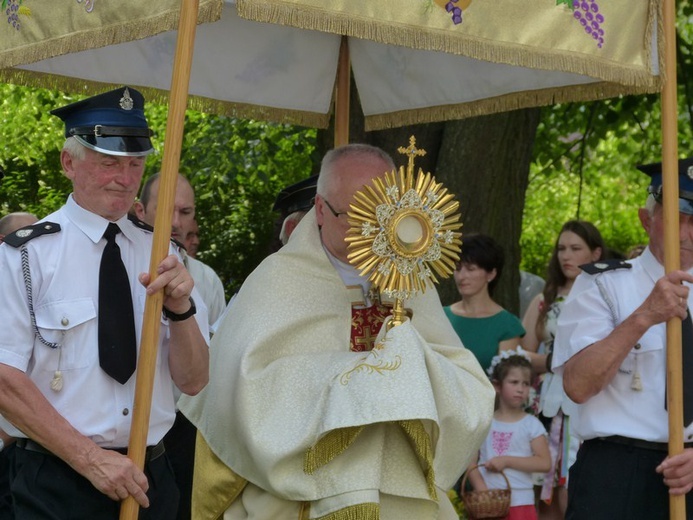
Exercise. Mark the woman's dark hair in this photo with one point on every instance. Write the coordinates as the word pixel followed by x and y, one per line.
pixel 500 371
pixel 555 278
pixel 485 252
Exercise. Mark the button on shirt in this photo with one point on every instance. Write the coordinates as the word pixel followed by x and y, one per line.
pixel 586 319
pixel 65 274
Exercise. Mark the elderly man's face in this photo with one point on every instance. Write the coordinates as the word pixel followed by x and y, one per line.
pixel 654 225
pixel 349 175
pixel 104 184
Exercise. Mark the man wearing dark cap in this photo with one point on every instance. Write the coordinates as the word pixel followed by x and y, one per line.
pixel 72 290
pixel 293 202
pixel 611 350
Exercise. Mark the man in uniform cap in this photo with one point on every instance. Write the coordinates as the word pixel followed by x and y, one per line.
pixel 72 290
pixel 293 202
pixel 611 350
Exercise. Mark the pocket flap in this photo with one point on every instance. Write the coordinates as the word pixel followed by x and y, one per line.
pixel 65 314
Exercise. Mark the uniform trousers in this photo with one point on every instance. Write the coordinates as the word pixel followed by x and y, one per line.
pixel 44 487
pixel 6 510
pixel 614 481
pixel 180 447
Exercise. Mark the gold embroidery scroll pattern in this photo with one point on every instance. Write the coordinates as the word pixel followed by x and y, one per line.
pixel 381 366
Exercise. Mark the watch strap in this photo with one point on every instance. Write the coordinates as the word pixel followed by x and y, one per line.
pixel 172 316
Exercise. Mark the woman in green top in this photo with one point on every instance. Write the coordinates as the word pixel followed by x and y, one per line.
pixel 484 327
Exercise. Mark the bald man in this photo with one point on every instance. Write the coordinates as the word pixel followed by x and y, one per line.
pixel 287 430
pixel 14 221
pixel 206 280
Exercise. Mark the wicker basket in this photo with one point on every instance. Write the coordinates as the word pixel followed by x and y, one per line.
pixel 492 503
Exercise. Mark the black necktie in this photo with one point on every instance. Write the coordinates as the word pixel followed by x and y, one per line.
pixel 117 339
pixel 687 367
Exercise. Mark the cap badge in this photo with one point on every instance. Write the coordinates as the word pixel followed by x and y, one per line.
pixel 126 102
pixel 689 172
pixel 23 233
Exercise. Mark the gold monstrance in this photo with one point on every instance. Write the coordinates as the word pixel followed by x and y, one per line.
pixel 403 232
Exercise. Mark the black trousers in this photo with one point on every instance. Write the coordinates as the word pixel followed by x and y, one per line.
pixel 6 509
pixel 180 447
pixel 46 488
pixel 617 482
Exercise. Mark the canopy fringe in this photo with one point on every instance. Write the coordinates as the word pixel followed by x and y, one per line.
pixel 199 103
pixel 514 101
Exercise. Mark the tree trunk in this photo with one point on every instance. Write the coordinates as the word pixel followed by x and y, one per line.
pixel 484 161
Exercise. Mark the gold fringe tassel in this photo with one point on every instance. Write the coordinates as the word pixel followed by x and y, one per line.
pixel 419 38
pixel 209 11
pixel 367 511
pixel 330 446
pixel 514 101
pixel 215 485
pixel 421 442
pixel 238 110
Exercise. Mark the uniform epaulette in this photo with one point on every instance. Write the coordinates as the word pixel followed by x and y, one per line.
pixel 605 265
pixel 143 225
pixel 23 235
pixel 140 223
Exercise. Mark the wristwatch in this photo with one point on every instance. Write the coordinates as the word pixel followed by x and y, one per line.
pixel 172 316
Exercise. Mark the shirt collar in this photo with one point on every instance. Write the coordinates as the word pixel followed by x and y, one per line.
pixel 348 273
pixel 94 225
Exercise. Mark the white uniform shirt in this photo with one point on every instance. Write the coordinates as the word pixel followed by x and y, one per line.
pixel 65 283
pixel 586 319
pixel 209 285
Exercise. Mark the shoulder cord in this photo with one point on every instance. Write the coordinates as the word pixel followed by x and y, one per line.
pixel 636 381
pixel 607 300
pixel 27 283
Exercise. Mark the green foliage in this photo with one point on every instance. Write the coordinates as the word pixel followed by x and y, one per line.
pixel 236 168
pixel 31 140
pixel 584 167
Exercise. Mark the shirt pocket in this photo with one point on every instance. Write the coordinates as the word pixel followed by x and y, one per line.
pixel 650 342
pixel 71 324
pixel 642 358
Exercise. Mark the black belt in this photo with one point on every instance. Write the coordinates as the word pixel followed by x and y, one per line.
pixel 637 443
pixel 152 453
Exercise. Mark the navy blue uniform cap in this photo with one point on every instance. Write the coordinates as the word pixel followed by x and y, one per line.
pixel 654 170
pixel 297 197
pixel 112 123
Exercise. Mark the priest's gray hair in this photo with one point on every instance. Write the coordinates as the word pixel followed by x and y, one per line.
pixel 325 181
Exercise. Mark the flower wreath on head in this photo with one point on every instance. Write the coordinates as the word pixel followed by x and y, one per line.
pixel 505 354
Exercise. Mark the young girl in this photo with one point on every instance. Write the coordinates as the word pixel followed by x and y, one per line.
pixel 517 442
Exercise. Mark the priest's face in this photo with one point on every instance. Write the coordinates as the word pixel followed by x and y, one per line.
pixel 349 174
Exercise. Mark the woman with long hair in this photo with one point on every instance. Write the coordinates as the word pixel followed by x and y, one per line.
pixel 579 242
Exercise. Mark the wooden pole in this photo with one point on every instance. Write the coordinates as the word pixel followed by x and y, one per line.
pixel 672 254
pixel 146 363
pixel 342 89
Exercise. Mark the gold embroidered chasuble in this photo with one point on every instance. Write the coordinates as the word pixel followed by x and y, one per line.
pixel 283 382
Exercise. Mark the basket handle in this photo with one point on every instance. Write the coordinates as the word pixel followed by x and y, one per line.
pixel 476 467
